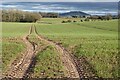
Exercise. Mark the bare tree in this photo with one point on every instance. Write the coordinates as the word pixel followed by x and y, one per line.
pixel 13 15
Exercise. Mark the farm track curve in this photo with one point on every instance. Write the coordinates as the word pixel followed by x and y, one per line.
pixel 21 64
pixel 19 67
pixel 64 55
pixel 76 68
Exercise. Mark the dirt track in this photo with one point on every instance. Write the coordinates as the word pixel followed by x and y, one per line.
pixel 65 57
pixel 19 67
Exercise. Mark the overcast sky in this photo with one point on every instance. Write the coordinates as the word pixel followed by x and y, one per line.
pixel 59 0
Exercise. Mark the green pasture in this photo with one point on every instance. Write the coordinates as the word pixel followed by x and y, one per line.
pixel 15 29
pixel 11 49
pixel 97 40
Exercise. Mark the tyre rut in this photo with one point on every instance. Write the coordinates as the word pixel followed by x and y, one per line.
pixel 76 68
pixel 67 60
pixel 20 65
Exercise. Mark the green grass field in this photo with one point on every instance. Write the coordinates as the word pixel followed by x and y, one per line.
pixel 12 45
pixel 97 40
pixel 15 29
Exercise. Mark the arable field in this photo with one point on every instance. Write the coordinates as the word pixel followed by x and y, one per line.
pixel 12 44
pixel 47 62
pixel 10 29
pixel 97 41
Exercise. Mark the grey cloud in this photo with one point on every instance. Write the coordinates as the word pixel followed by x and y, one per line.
pixel 59 0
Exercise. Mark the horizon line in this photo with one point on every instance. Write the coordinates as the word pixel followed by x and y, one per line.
pixel 61 1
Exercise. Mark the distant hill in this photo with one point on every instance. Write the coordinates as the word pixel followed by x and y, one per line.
pixel 74 13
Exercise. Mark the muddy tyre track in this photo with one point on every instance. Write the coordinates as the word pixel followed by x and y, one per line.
pixel 22 64
pixel 76 68
pixel 19 66
pixel 67 60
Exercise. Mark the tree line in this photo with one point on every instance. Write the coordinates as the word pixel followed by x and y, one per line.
pixel 49 15
pixel 105 17
pixel 13 15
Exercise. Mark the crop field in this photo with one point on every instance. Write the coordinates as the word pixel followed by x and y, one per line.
pixel 14 29
pixel 96 41
pixel 11 49
pixel 12 44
